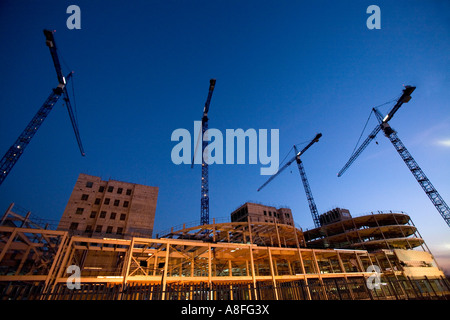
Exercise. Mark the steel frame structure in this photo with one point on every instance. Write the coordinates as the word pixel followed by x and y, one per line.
pixel 155 268
pixel 245 261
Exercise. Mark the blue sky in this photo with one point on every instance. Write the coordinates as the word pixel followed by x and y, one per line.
pixel 142 70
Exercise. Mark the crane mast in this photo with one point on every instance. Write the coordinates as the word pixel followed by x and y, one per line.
pixel 309 196
pixel 204 198
pixel 16 150
pixel 439 203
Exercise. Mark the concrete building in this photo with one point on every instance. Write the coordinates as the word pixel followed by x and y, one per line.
pixel 261 213
pixel 334 215
pixel 98 208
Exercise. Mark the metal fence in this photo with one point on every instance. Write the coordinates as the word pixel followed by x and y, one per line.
pixel 313 289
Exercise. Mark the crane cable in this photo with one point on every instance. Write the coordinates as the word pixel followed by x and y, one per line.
pixel 73 89
pixel 365 126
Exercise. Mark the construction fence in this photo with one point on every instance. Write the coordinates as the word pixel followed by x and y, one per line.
pixel 313 289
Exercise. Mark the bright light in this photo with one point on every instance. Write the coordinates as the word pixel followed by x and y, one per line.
pixel 445 143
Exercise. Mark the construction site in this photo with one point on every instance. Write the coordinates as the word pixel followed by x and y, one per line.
pixel 217 261
pixel 105 248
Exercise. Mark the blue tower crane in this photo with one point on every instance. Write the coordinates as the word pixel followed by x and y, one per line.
pixel 412 165
pixel 309 196
pixel 16 150
pixel 204 199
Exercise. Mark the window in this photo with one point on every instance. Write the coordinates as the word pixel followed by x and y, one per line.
pixel 103 214
pixel 79 211
pixel 73 226
pixel 128 192
pixel 265 213
pixel 97 201
pixel 270 214
pixel 98 229
pixel 93 214
pixel 89 184
pixel 110 189
pixel 106 201
pixel 123 216
pixel 116 203
pixel 101 189
pixel 119 190
pixel 287 215
pixel 125 204
pixel 113 215
pixel 119 230
pixel 109 229
pixel 84 196
pixel 88 229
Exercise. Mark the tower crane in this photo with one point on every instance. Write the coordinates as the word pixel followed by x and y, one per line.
pixel 412 165
pixel 16 150
pixel 204 199
pixel 309 196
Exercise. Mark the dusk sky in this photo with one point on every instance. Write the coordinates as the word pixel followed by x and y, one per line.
pixel 142 70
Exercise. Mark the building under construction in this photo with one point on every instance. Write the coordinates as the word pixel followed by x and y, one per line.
pixel 244 260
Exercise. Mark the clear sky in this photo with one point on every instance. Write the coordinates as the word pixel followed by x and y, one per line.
pixel 142 70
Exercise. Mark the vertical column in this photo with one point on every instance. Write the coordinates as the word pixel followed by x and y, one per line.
pixel 8 244
pixel 252 263
pixel 128 262
pixel 25 220
pixel 7 212
pixel 56 259
pixel 359 262
pixel 166 265
pixel 278 233
pixel 319 274
pixel 272 273
pixel 67 255
pixel 401 230
pixel 209 265
pixel 249 230
pixel 341 264
pixel 379 228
